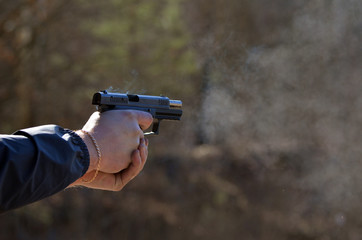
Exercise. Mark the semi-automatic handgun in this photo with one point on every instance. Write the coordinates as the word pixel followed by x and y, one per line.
pixel 159 107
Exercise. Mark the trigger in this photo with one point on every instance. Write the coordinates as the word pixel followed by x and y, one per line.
pixel 155 128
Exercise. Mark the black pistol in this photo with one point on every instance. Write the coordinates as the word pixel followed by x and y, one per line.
pixel 159 107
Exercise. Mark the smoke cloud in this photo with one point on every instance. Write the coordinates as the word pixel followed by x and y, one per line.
pixel 301 95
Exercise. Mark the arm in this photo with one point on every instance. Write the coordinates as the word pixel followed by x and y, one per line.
pixel 38 162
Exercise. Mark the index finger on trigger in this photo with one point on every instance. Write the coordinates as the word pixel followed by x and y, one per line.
pixel 144 119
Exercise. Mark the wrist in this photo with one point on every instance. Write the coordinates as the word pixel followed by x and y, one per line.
pixel 93 158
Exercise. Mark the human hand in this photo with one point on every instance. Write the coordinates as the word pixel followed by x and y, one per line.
pixel 123 148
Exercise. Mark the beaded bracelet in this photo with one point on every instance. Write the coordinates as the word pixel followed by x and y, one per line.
pixel 98 154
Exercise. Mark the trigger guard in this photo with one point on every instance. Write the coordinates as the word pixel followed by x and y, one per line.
pixel 155 128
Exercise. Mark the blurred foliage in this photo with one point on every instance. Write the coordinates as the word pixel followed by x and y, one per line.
pixel 269 146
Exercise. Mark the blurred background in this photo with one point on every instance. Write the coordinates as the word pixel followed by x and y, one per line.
pixel 270 143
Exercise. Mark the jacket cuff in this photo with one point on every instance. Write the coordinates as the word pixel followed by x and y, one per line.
pixel 83 156
pixel 50 133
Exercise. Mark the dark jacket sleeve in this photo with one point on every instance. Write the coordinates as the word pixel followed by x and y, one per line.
pixel 38 162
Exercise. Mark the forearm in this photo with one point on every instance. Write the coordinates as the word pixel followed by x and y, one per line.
pixel 38 162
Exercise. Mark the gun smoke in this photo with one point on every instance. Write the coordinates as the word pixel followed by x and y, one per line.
pixel 300 95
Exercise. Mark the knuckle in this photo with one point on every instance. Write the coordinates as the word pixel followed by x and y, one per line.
pixel 149 117
pixel 128 114
pixel 138 132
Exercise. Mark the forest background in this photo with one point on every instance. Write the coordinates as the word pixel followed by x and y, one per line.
pixel 269 146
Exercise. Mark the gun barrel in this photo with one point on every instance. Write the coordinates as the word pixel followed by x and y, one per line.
pixel 175 104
